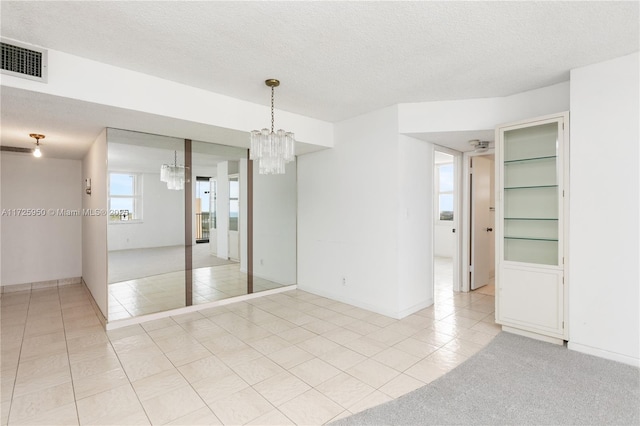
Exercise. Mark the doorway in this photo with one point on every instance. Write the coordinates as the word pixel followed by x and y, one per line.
pixel 464 217
pixel 446 213
pixel 202 209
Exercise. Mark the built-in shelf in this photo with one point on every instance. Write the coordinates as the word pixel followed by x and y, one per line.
pixel 529 218
pixel 531 160
pixel 526 160
pixel 530 187
pixel 531 239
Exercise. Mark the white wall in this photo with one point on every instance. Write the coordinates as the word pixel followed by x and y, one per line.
pixel 604 306
pixel 444 239
pixel 481 114
pixel 162 219
pixel 415 231
pixel 347 214
pixel 74 77
pixel 274 225
pixel 40 248
pixel 94 228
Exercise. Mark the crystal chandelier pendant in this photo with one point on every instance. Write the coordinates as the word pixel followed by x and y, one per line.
pixel 272 150
pixel 173 175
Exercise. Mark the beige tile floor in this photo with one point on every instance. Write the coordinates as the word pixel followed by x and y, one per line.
pixel 288 358
pixel 164 292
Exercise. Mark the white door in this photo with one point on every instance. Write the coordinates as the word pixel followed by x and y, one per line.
pixel 234 218
pixel 481 221
pixel 213 234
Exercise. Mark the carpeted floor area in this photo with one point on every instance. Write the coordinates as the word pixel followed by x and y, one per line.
pixel 517 380
pixel 127 265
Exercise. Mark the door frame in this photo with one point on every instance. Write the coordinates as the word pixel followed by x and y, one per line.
pixel 457 177
pixel 465 225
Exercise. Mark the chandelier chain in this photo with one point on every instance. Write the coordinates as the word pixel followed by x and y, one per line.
pixel 272 89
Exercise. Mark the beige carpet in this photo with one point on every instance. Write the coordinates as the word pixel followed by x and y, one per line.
pixel 518 381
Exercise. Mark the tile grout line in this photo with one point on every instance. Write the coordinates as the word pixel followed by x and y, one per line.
pixel 66 344
pixel 183 376
pixel 15 380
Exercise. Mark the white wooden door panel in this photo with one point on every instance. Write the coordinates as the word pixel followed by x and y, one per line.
pixel 480 222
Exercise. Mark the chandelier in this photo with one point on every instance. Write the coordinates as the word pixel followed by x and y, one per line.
pixel 173 175
pixel 272 149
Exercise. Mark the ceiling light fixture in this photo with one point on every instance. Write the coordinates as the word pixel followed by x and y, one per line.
pixel 173 175
pixel 36 152
pixel 272 149
pixel 478 145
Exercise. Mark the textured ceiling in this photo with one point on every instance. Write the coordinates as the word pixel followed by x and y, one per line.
pixel 337 59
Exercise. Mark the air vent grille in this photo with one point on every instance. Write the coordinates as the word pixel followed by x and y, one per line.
pixel 16 149
pixel 22 61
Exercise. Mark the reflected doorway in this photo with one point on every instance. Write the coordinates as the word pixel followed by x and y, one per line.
pixel 202 209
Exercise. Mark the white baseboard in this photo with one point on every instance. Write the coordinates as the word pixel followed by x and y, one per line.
pixel 40 285
pixel 613 356
pixel 373 308
pixel 532 335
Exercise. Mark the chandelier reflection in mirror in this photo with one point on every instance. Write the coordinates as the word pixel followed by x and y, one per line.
pixel 173 175
pixel 272 149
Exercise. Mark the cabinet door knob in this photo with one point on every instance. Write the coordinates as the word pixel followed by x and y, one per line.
pixel 489 229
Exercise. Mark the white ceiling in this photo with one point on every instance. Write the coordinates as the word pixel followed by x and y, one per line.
pixel 335 59
pixel 143 152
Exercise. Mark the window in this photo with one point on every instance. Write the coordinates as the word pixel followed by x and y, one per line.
pixel 444 185
pixel 125 197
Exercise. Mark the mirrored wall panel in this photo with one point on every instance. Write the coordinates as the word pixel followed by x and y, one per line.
pixel 220 241
pixel 146 232
pixel 274 229
pixel 193 223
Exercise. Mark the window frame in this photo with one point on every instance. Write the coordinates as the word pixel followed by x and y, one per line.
pixel 136 197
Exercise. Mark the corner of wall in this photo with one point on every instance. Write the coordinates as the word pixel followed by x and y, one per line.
pixel 94 224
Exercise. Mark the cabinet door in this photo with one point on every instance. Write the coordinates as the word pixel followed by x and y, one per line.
pixel 530 292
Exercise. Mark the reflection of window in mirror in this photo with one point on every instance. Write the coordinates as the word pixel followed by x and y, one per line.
pixel 444 186
pixel 125 197
pixel 234 203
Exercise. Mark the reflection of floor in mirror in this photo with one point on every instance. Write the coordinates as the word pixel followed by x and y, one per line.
pixel 125 265
pixel 166 291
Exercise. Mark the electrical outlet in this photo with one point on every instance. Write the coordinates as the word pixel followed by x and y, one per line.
pixel 344 281
pixel 261 262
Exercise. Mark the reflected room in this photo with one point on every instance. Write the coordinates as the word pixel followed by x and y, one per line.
pixel 179 229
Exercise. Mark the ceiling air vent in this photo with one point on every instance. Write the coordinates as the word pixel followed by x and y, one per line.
pixel 21 60
pixel 16 149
